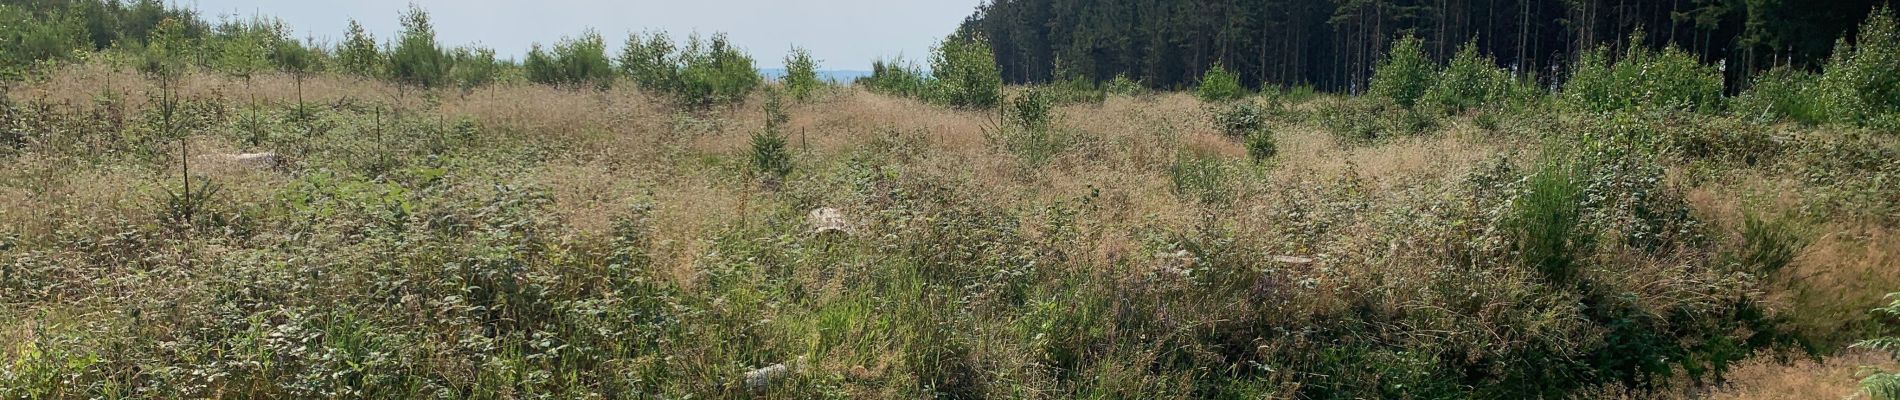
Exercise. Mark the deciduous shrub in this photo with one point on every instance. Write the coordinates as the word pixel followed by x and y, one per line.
pixel 712 72
pixel 1240 119
pixel 1219 84
pixel 475 67
pixel 801 74
pixel 1470 81
pixel 358 54
pixel 1405 73
pixel 1860 84
pixel 1782 93
pixel 965 74
pixel 650 61
pixel 575 62
pixel 897 77
pixel 1643 79
pixel 416 59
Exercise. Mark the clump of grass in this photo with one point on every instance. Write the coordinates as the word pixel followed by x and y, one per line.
pixel 1547 219
pixel 1200 177
pixel 1769 245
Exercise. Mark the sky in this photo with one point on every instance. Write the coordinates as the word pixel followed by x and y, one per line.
pixel 843 34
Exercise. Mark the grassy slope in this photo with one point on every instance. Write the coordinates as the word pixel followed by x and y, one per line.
pixel 518 240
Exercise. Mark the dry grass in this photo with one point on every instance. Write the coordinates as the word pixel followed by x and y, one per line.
pixel 1833 378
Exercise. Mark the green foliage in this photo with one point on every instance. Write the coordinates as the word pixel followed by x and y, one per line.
pixel 26 38
pixel 1860 84
pixel 1782 94
pixel 1200 177
pixel 1547 221
pixel 1261 146
pixel 1404 74
pixel 801 74
pixel 1075 89
pixel 243 47
pixel 576 62
pixel 475 67
pixel 1240 119
pixel 416 59
pixel 1769 245
pixel 1876 382
pixel 1219 85
pixel 1123 86
pixel 164 55
pixel 1368 119
pixel 770 159
pixel 650 61
pixel 715 73
pixel 897 77
pixel 1668 80
pixel 358 54
pixel 1470 81
pixel 965 74
pixel 1031 134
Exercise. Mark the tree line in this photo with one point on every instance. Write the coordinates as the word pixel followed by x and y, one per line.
pixel 1334 44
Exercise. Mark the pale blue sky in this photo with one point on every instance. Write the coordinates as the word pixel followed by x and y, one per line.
pixel 845 34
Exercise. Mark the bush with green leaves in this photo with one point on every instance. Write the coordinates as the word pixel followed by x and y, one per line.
pixel 358 54
pixel 1219 84
pixel 1879 383
pixel 1123 86
pixel 416 59
pixel 1370 119
pixel 1075 89
pixel 1261 145
pixel 965 74
pixel 475 67
pixel 26 38
pixel 897 77
pixel 242 48
pixel 1240 119
pixel 1405 73
pixel 1667 80
pixel 650 62
pixel 801 75
pixel 1779 94
pixel 1031 133
pixel 1860 83
pixel 575 62
pixel 1470 81
pixel 712 73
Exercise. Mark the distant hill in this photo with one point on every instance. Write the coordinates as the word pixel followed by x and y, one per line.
pixel 835 75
